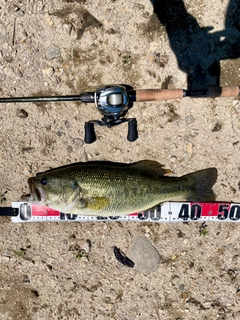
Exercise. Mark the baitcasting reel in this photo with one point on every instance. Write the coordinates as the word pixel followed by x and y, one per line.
pixel 112 101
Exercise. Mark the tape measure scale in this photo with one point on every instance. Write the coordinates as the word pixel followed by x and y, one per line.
pixel 166 212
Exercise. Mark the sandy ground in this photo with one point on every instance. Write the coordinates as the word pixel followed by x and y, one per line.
pixel 115 41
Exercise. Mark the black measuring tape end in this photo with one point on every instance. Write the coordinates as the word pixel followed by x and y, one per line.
pixel 8 212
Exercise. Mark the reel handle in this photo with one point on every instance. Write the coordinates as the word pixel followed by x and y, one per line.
pixel 90 135
pixel 132 130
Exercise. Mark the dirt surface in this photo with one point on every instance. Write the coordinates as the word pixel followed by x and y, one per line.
pixel 68 270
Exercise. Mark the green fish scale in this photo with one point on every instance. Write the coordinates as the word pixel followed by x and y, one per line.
pixel 127 190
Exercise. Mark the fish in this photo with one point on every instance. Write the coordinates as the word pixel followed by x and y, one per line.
pixel 105 188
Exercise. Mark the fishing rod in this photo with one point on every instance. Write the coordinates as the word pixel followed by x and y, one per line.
pixel 113 102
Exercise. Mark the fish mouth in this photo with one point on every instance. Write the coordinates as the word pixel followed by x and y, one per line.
pixel 36 192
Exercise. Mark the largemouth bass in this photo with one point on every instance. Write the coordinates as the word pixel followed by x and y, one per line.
pixel 112 189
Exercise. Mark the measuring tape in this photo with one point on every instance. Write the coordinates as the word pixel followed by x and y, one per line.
pixel 166 212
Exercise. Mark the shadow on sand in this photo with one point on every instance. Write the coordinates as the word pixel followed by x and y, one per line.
pixel 198 50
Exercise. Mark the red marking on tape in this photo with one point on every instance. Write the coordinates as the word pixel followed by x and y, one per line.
pixel 43 211
pixel 211 209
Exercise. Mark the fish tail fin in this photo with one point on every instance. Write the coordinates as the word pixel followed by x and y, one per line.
pixel 201 183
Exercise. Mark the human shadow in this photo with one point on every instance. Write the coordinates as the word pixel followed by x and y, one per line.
pixel 197 49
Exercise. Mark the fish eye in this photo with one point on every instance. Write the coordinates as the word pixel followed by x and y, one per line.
pixel 43 181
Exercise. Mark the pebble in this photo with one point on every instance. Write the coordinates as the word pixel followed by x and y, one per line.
pixel 189 148
pixel 53 52
pixel 48 19
pixel 21 113
pixel 39 5
pixel 8 71
pixel 19 74
pixel 217 127
pixel 47 71
pixel 235 103
pixel 25 279
pixel 173 158
pixel 86 246
pixel 182 287
pixel 7 253
pixel 78 143
pixel 20 13
pixel 144 255
pixel 189 119
pixel 69 149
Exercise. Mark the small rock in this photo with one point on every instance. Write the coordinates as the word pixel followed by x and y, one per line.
pixel 53 52
pixel 173 158
pixel 20 13
pixel 48 20
pixel 25 279
pixel 69 149
pixel 235 103
pixel 78 143
pixel 12 8
pixel 189 148
pixel 7 253
pixel 86 246
pixel 47 72
pixel 21 113
pixel 67 27
pixel 182 287
pixel 144 255
pixel 67 124
pixel 19 74
pixel 39 5
pixel 8 71
pixel 217 127
pixel 189 119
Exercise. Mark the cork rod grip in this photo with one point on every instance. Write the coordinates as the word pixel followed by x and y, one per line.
pixel 233 91
pixel 168 94
pixel 158 94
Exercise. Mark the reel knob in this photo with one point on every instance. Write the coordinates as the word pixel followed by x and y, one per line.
pixel 90 135
pixel 132 130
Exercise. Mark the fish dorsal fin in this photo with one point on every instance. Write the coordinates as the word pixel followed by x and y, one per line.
pixel 96 203
pixel 151 168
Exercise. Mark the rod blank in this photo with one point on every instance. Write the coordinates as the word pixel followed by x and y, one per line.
pixel 40 99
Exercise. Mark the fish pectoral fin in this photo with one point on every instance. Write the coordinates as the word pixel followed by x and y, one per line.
pixel 97 203
pixel 151 168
